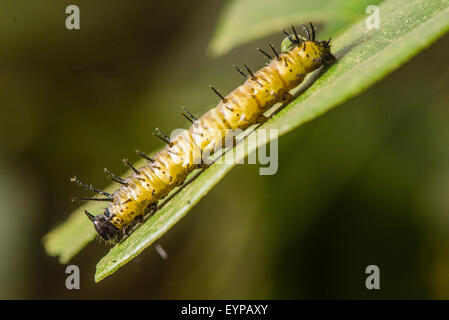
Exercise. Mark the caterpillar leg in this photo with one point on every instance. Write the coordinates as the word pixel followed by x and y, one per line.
pixel 204 165
pixel 127 231
pixel 138 220
pixel 132 226
pixel 231 142
pixel 153 206
pixel 262 119
pixel 286 97
pixel 151 209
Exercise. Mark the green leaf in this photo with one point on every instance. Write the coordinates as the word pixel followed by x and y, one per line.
pixel 364 57
pixel 244 20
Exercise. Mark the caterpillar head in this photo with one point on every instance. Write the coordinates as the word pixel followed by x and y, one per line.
pixel 327 57
pixel 294 39
pixel 104 228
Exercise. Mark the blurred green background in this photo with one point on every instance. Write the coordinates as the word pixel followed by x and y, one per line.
pixel 367 183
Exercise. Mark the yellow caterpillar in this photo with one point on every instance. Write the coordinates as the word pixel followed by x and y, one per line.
pixel 241 108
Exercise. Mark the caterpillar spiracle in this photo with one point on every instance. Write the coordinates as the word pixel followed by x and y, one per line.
pixel 241 108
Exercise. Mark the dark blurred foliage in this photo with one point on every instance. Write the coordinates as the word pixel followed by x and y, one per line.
pixel 367 183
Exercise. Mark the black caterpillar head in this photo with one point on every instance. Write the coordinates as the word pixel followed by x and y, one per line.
pixel 327 56
pixel 293 39
pixel 104 227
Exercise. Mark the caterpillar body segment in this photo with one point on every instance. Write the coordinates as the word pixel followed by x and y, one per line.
pixel 239 109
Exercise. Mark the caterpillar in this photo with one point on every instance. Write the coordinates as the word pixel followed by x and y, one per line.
pixel 244 106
